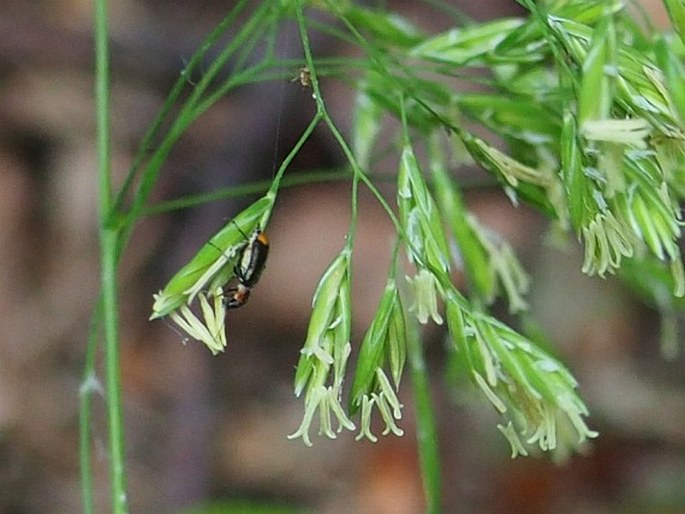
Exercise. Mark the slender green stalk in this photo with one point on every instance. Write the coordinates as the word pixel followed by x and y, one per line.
pixel 88 386
pixel 331 30
pixel 363 177
pixel 113 372
pixel 321 107
pixel 251 188
pixel 426 432
pixel 321 112
pixel 108 250
pixel 359 175
pixel 276 182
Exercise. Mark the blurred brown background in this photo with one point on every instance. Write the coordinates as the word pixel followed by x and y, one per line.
pixel 205 428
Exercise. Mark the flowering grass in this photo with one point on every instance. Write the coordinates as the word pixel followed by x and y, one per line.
pixel 579 115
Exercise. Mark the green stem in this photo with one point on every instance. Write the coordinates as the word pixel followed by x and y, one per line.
pixel 275 184
pixel 109 240
pixel 108 263
pixel 261 186
pixel 88 386
pixel 426 432
pixel 358 172
pixel 321 110
pixel 247 76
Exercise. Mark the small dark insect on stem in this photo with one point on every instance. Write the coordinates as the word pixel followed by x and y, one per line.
pixel 248 269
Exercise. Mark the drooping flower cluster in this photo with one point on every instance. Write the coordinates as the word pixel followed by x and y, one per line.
pixel 323 360
pixel 203 279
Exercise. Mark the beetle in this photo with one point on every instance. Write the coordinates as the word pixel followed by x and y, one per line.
pixel 248 269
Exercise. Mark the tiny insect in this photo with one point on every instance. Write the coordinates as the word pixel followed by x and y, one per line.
pixel 248 269
pixel 304 76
